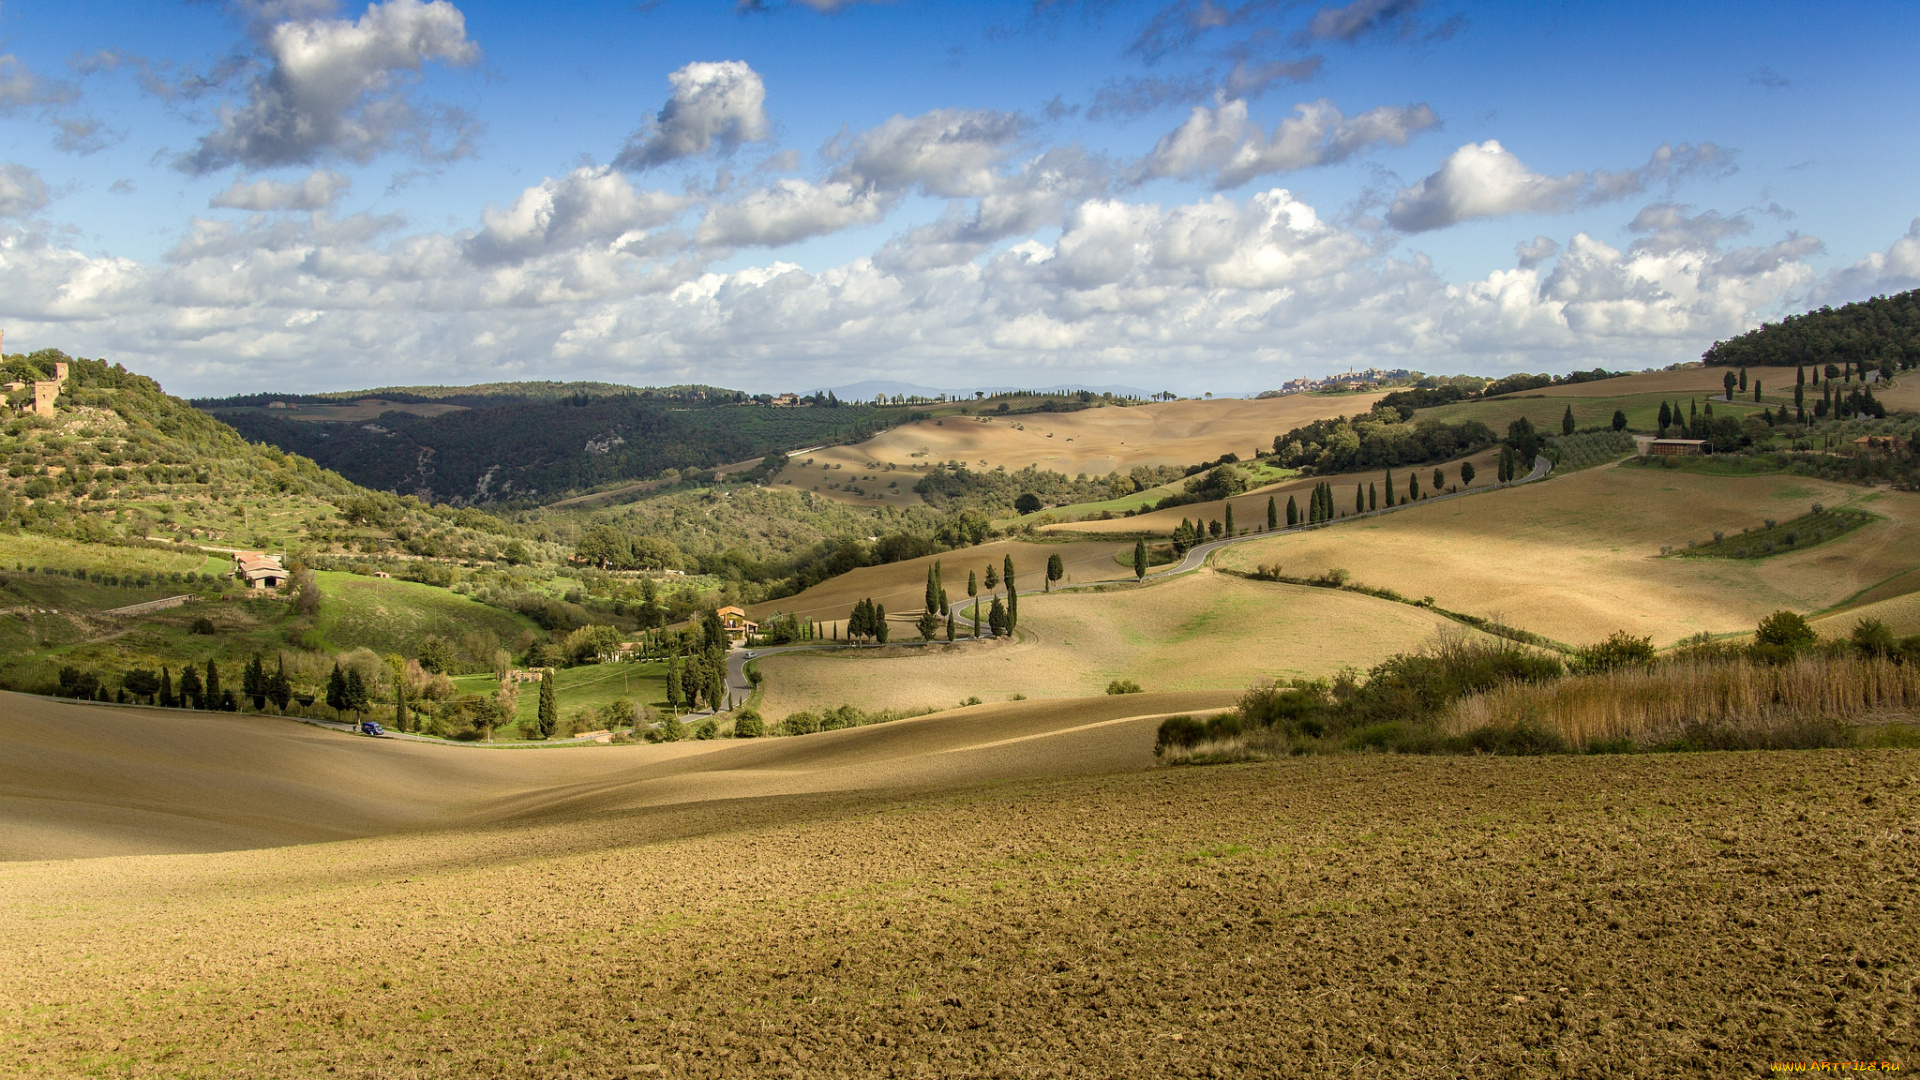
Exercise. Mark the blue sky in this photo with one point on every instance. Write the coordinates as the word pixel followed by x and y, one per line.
pixel 300 195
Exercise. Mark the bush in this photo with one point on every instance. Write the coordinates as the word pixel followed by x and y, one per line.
pixel 1187 732
pixel 1621 649
pixel 747 724
pixel 1785 630
pixel 1123 686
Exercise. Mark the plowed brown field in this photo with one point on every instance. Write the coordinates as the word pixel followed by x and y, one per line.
pixel 1580 916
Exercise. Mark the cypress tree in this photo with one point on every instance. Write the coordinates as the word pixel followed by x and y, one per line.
pixel 1229 524
pixel 1743 379
pixel 1619 420
pixel 949 625
pixel 933 593
pixel 1666 418
pixel 675 689
pixel 1293 513
pixel 1566 422
pixel 1013 598
pixel 1373 496
pixel 880 623
pixel 549 717
pixel 166 689
pixel 1388 487
pixel 1273 514
pixel 1413 486
pixel 1139 562
pixel 213 684
pixel 1359 498
pixel 1756 390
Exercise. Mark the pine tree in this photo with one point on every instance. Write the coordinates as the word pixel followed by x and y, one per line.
pixel 336 688
pixel 928 625
pixel 1139 563
pixel 549 716
pixel 357 698
pixel 1273 514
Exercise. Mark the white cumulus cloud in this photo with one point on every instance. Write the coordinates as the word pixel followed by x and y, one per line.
pixel 1221 140
pixel 341 88
pixel 21 191
pixel 316 191
pixel 714 106
pixel 789 211
pixel 593 205
pixel 1482 180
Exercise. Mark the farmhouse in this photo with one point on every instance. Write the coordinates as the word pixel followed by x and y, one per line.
pixel 45 392
pixel 258 570
pixel 735 621
pixel 1886 444
pixel 1668 447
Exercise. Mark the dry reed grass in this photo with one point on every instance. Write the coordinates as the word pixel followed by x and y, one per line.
pixel 1671 702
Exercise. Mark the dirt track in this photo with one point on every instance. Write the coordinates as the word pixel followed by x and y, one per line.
pixel 1659 915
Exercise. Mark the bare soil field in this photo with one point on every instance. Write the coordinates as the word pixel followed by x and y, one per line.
pixel 1497 917
pixel 1250 510
pixel 1578 557
pixel 1201 631
pixel 1093 441
pixel 902 587
pixel 81 781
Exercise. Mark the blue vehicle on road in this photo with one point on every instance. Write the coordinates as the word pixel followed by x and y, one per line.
pixel 369 727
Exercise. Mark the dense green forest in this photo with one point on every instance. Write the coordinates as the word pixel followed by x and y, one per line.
pixel 1880 331
pixel 527 450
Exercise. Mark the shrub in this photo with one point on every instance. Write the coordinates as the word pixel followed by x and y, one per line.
pixel 747 724
pixel 1123 686
pixel 1186 732
pixel 1785 630
pixel 1621 649
pixel 708 729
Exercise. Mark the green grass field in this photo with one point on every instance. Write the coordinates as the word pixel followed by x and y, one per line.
pixel 388 615
pixel 1260 473
pixel 20 550
pixel 594 685
pixel 1643 410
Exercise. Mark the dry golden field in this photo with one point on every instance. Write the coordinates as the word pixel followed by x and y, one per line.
pixel 1201 631
pixel 1093 441
pixel 1648 915
pixel 902 587
pixel 1250 510
pixel 1578 557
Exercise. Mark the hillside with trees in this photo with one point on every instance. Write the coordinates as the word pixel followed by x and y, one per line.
pixel 1882 332
pixel 525 448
